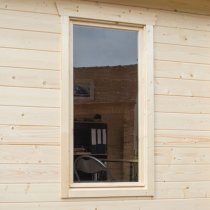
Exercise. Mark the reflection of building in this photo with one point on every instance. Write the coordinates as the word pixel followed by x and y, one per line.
pixel 115 93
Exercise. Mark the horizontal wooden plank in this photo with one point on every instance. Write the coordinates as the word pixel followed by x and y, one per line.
pixel 182 20
pixel 114 204
pixel 29 154
pixel 179 87
pixel 201 7
pixel 42 6
pixel 19 96
pixel 29 192
pixel 180 70
pixel 182 121
pixel 29 58
pixel 182 190
pixel 28 173
pixel 37 135
pixel 182 173
pixel 175 156
pixel 182 104
pixel 29 116
pixel 178 53
pixel 182 138
pixel 180 36
pixel 21 77
pixel 29 40
pixel 29 21
pixel 47 192
pixel 105 12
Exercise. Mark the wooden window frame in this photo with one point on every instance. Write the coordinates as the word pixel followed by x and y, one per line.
pixel 111 16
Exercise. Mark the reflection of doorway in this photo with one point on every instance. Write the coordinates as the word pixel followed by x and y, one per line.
pixel 115 144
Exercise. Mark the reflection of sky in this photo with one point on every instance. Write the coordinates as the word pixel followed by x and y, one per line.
pixel 94 46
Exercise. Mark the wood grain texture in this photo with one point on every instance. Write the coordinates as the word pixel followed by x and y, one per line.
pixel 201 7
pixel 45 192
pixel 179 53
pixel 18 96
pixel 45 7
pixel 29 59
pixel 29 21
pixel 182 156
pixel 49 6
pixel 29 154
pixel 183 21
pixel 179 36
pixel 183 138
pixel 181 70
pixel 179 87
pixel 29 116
pixel 35 78
pixel 182 190
pixel 182 121
pixel 182 104
pixel 170 204
pixel 29 135
pixel 182 173
pixel 29 40
pixel 28 173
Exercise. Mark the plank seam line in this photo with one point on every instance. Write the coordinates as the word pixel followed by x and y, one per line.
pixel 178 130
pixel 188 147
pixel 182 146
pixel 31 49
pixel 32 163
pixel 184 96
pixel 171 129
pixel 188 29
pixel 28 30
pixel 28 68
pixel 180 27
pixel 182 164
pixel 25 67
pixel 129 199
pixel 32 146
pixel 30 106
pixel 182 62
pixel 179 112
pixel 181 45
pixel 192 79
pixel 33 12
pixel 28 144
pixel 11 124
pixel 31 30
pixel 30 125
pixel 28 87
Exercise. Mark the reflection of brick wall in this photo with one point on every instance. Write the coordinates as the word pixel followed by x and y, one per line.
pixel 121 79
pixel 117 109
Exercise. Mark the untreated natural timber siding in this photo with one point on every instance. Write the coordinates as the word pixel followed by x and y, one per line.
pixel 30 109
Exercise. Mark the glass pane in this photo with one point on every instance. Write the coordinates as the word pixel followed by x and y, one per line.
pixel 105 105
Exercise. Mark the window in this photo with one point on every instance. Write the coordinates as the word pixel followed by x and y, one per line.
pixel 107 114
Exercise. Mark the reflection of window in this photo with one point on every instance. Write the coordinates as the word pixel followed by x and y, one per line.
pixel 109 58
pixel 107 100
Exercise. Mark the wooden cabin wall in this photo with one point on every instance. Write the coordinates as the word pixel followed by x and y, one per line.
pixel 30 112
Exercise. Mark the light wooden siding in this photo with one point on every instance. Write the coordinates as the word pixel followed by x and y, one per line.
pixel 29 154
pixel 30 111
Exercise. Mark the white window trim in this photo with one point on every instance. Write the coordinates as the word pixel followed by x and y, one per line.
pixel 114 16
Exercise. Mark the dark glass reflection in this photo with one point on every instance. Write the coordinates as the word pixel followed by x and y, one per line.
pixel 105 105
